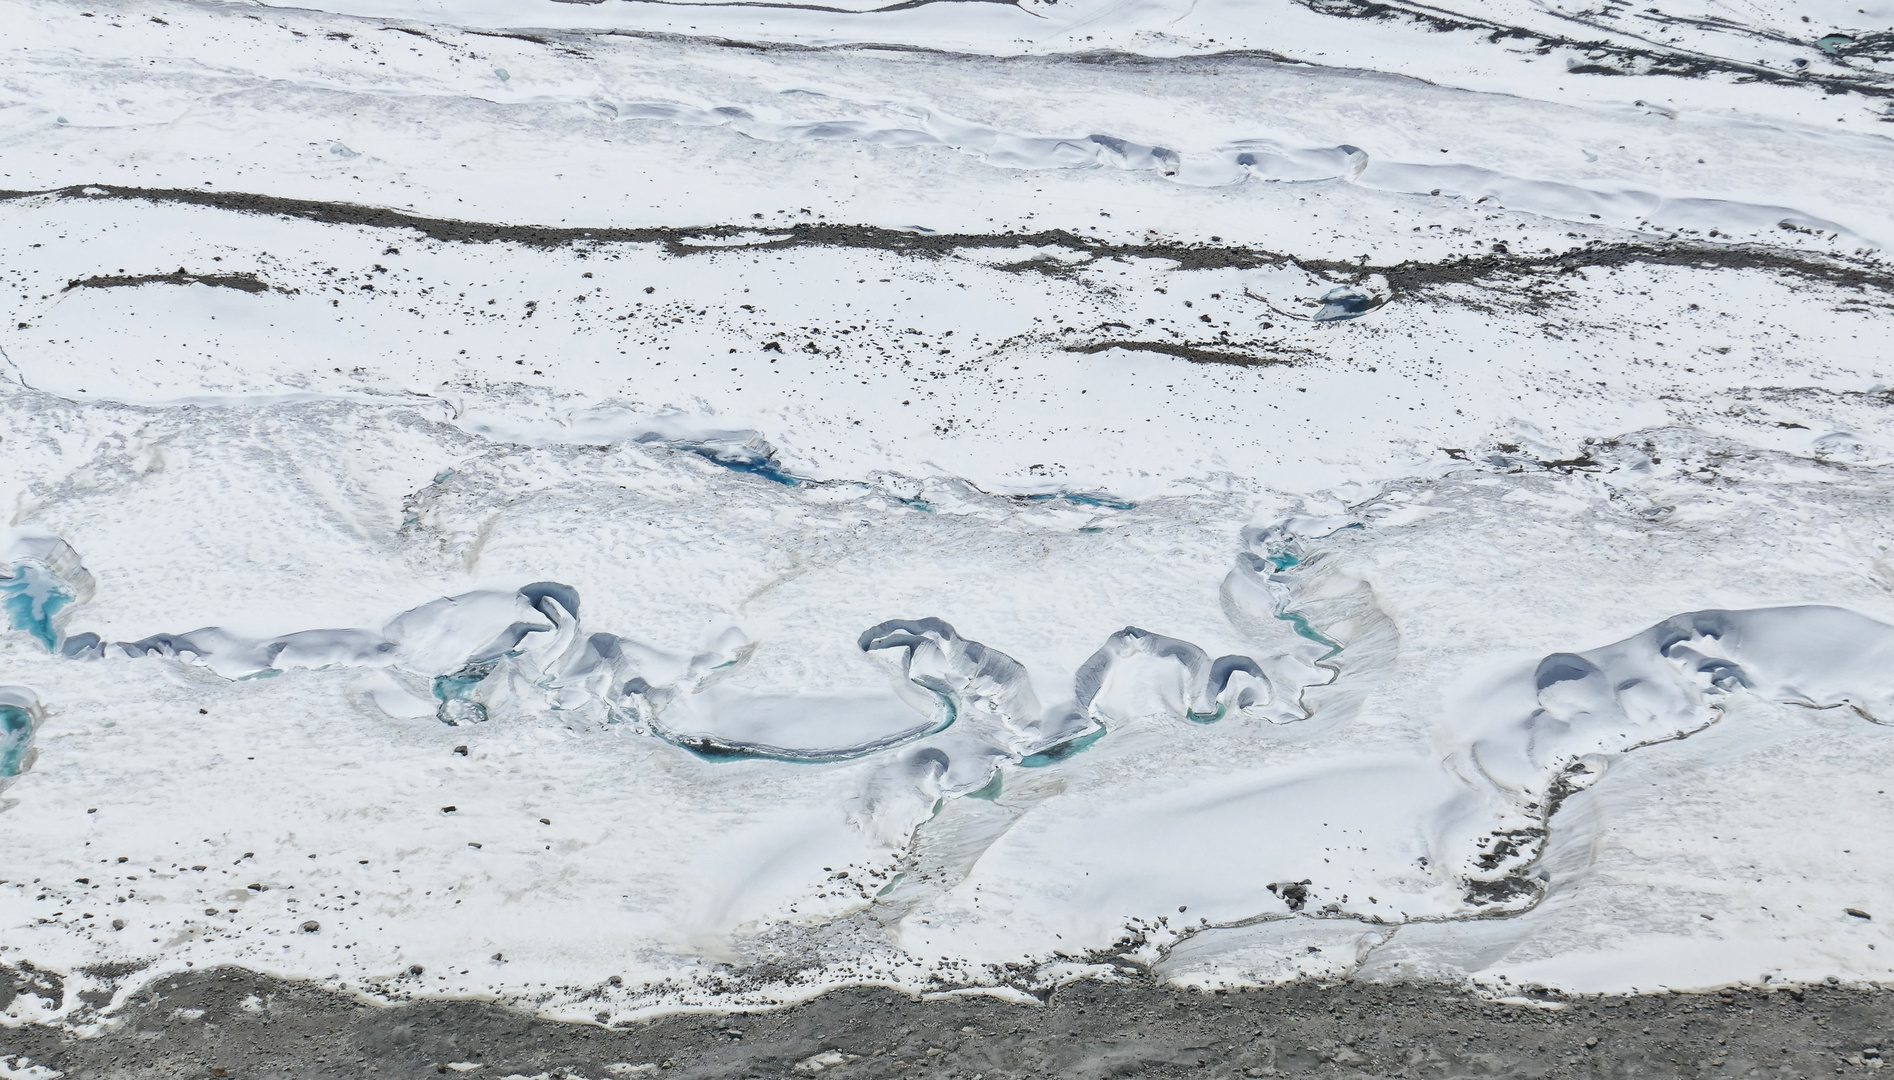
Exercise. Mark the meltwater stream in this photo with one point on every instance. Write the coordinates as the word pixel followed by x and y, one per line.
pixel 1232 474
pixel 960 707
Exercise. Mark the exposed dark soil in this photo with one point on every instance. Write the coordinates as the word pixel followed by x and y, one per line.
pixel 1604 57
pixel 1211 353
pixel 1496 267
pixel 198 1024
pixel 249 283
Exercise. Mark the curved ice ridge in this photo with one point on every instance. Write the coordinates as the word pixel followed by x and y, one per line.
pixel 1673 679
pixel 1279 579
pixel 526 649
pixel 997 717
pixel 988 690
pixel 458 642
pixel 1138 673
pixel 1261 158
pixel 1544 736
pixel 998 720
pixel 1134 675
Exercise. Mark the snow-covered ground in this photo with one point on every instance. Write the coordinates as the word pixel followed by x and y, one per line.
pixel 633 506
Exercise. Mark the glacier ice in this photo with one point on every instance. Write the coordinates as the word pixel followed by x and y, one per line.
pixel 932 720
pixel 954 497
pixel 1670 682
pixel 529 646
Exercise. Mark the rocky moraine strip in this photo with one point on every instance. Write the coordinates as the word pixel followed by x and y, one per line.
pixel 234 1023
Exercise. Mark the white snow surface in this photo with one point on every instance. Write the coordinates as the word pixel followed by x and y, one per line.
pixel 638 506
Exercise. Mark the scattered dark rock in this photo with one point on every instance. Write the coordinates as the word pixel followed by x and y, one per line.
pixel 1295 893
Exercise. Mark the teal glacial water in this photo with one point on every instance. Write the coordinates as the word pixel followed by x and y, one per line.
pixel 455 692
pixel 1055 754
pixel 16 734
pixel 31 595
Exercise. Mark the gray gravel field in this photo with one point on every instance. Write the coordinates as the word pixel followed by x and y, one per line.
pixel 234 1023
